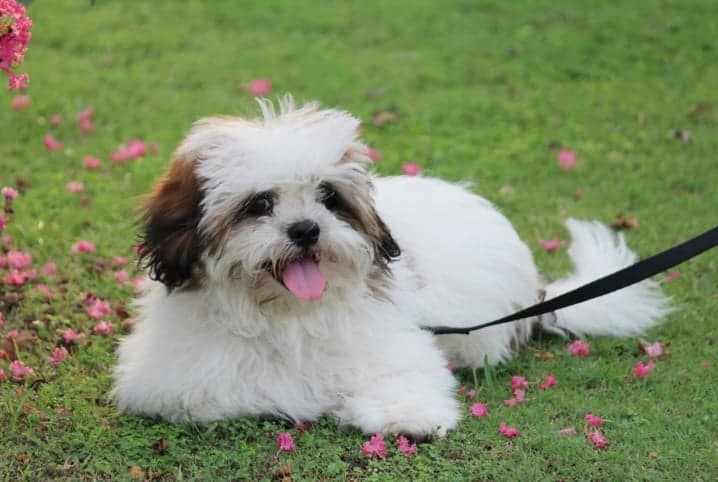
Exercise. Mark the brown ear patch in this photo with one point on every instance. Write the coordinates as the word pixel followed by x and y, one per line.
pixel 171 239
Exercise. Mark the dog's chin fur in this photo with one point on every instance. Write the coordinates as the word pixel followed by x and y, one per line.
pixel 219 335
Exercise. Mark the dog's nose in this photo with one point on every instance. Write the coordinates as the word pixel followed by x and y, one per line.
pixel 303 233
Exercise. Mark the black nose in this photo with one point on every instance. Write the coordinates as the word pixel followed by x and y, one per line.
pixel 304 233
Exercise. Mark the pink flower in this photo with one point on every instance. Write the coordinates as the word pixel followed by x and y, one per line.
pixel 508 432
pixel 705 364
pixel 372 154
pixel 50 269
pixel 579 348
pixel 550 245
pixel 19 102
pixel 260 87
pixel 519 395
pixel 405 447
pixel 14 41
pixel 672 276
pixel 29 275
pixel 511 402
pixel 375 447
pixel 471 393
pixel 2 319
pixel 548 382
pixel 71 335
pixel 3 377
pixel 121 276
pixel 518 382
pixel 92 162
pixel 15 278
pixel 119 261
pixel 45 291
pixel 83 247
pixel 55 120
pixel 3 221
pixel 84 120
pixel 19 259
pixel 17 82
pixel 9 193
pixel 98 309
pixel 593 420
pixel 58 355
pixel 103 328
pixel 75 186
pixel 597 440
pixel 137 283
pixel 51 143
pixel 411 169
pixel 285 442
pixel 566 159
pixel 642 371
pixel 479 410
pixel 12 334
pixel 19 370
pixel 654 350
pixel 134 149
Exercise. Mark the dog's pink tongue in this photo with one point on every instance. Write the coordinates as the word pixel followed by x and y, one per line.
pixel 304 280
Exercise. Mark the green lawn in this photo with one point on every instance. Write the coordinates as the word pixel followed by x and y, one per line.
pixel 485 91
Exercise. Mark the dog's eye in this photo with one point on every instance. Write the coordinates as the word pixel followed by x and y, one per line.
pixel 260 205
pixel 329 197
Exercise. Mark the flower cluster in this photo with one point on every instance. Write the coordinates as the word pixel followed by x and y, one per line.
pixel 14 38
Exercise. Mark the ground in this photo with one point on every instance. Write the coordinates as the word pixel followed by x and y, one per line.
pixel 488 92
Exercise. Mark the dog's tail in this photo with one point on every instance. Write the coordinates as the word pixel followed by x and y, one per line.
pixel 596 251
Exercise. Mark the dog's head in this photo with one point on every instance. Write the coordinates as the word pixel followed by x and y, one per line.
pixel 281 207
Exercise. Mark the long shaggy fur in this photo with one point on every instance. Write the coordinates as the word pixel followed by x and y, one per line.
pixel 219 335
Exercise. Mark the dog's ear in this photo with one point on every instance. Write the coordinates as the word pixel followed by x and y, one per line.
pixel 171 242
pixel 384 244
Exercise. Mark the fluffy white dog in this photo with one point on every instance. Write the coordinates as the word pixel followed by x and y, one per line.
pixel 290 282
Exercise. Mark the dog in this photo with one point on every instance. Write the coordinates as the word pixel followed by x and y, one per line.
pixel 286 280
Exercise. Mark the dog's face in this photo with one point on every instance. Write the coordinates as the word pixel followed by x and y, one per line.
pixel 279 207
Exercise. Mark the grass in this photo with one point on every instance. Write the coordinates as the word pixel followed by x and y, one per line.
pixel 484 91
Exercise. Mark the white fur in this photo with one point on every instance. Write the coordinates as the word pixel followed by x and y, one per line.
pixel 242 345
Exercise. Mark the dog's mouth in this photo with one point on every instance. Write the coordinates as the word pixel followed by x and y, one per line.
pixel 301 276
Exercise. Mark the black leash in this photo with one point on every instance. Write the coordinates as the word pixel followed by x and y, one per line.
pixel 608 284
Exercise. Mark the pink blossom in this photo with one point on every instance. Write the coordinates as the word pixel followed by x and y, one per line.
pixel 593 420
pixel 411 169
pixel 375 447
pixel 3 221
pixel 479 410
pixel 71 335
pixel 642 371
pixel 3 261
pixel 511 402
pixel 471 393
pixel 518 382
pixel 260 87
pixel 50 269
pixel 19 102
pixel 137 283
pixel 84 120
pixel 51 143
pixel 405 447
pixel 566 159
pixel 14 42
pixel 91 162
pixel 17 82
pixel 672 276
pixel 98 309
pixel 119 261
pixel 548 382
pixel 579 348
pixel 3 355
pixel 461 389
pixel 653 350
pixel 550 245
pixel 29 275
pixel 3 377
pixel 55 120
pixel 597 440
pixel 508 432
pixel 121 276
pixel 2 319
pixel 15 278
pixel 45 291
pixel 373 154
pixel 285 442
pixel 103 328
pixel 58 355
pixel 12 334
pixel 19 370
pixel 75 186
pixel 83 247
pixel 519 395
pixel 134 149
pixel 705 364
pixel 9 193
pixel 19 259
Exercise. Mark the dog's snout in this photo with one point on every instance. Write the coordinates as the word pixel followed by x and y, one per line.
pixel 303 233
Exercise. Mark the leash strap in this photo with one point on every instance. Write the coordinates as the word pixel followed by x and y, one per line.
pixel 608 284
